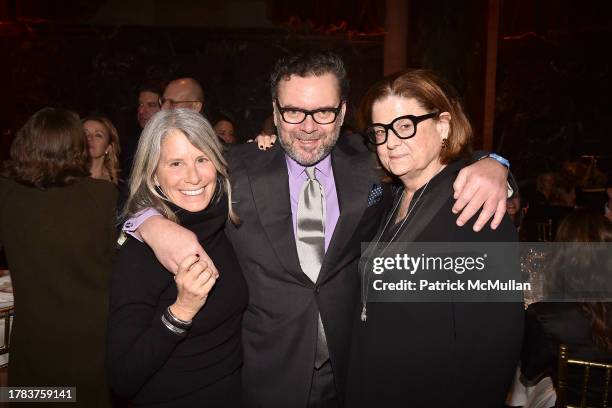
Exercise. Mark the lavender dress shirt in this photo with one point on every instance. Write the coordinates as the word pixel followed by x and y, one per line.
pixel 325 174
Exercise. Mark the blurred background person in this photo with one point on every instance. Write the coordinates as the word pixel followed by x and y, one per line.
pixel 224 128
pixel 545 183
pixel 608 198
pixel 148 103
pixel 544 217
pixel 57 227
pixel 584 327
pixel 172 341
pixel 183 93
pixel 514 210
pixel 563 193
pixel 103 147
pixel 607 210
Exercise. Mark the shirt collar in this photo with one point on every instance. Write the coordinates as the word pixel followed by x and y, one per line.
pixel 296 169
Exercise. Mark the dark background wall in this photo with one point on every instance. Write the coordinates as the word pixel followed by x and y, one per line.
pixel 553 63
pixel 100 68
pixel 554 88
pixel 554 74
pixel 85 57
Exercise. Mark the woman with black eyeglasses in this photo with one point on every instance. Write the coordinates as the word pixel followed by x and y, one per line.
pixel 417 352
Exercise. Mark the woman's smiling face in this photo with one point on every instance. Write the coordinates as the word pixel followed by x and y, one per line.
pixel 185 175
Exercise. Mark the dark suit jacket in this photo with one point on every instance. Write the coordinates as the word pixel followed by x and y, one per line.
pixel 280 324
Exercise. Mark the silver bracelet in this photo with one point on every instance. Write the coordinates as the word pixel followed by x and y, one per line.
pixel 175 321
pixel 171 327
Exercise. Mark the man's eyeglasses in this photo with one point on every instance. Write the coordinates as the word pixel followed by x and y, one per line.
pixel 172 102
pixel 404 127
pixel 323 116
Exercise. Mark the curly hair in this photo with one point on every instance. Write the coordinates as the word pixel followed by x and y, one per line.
pixel 49 150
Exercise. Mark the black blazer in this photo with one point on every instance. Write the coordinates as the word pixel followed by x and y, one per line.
pixel 428 354
pixel 280 324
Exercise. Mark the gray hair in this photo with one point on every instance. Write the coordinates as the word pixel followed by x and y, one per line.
pixel 143 193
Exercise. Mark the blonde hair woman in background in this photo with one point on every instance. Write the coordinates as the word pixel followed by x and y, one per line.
pixel 103 148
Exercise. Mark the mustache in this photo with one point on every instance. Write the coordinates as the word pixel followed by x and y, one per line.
pixel 307 136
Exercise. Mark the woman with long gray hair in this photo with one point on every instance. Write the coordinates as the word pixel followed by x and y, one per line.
pixel 174 340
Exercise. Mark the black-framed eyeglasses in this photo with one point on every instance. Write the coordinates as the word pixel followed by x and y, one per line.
pixel 172 102
pixel 404 127
pixel 323 116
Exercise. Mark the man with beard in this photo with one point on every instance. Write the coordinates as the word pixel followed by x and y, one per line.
pixel 305 207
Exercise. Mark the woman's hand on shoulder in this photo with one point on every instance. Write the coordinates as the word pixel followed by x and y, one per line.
pixel 264 142
pixel 194 281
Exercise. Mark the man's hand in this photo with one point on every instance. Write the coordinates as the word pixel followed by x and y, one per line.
pixel 172 243
pixel 484 182
pixel 264 142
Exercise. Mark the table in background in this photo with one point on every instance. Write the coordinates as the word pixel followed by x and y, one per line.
pixel 6 299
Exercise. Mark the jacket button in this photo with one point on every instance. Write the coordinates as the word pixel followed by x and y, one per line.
pixel 317 289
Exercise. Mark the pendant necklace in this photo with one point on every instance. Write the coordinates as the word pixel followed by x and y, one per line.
pixel 365 280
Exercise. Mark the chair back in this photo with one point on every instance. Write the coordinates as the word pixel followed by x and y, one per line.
pixel 544 230
pixel 6 314
pixel 564 361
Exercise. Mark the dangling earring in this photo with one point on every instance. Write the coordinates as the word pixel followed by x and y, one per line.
pixel 444 143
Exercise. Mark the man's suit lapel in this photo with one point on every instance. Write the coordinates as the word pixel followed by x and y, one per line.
pixel 352 175
pixel 270 185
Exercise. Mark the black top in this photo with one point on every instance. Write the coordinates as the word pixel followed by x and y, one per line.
pixel 60 245
pixel 147 362
pixel 436 354
pixel 550 324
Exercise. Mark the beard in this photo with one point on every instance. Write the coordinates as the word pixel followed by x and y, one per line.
pixel 289 142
